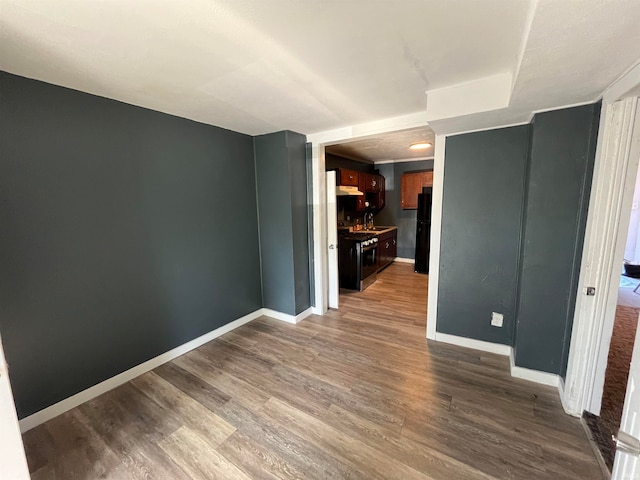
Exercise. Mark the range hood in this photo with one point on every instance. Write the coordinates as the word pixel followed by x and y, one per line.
pixel 343 190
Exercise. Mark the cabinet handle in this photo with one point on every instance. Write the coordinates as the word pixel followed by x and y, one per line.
pixel 386 245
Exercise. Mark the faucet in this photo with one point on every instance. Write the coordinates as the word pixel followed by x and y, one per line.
pixel 368 224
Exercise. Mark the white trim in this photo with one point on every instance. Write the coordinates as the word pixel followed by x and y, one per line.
pixel 602 247
pixel 562 398
pixel 13 462
pixel 267 312
pixel 629 147
pixel 436 230
pixel 318 141
pixel 90 393
pixel 489 347
pixel 536 376
pixel 404 260
pixel 402 160
pixel 320 245
pixel 623 86
pixel 342 135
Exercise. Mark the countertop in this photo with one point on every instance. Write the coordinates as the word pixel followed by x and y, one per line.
pixel 379 230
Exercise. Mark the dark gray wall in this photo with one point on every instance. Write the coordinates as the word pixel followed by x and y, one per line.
pixel 481 222
pixel 332 162
pixel 392 213
pixel 559 180
pixel 125 233
pixel 297 156
pixel 281 179
pixel 514 217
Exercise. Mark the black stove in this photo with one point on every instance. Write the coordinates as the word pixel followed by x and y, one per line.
pixel 358 260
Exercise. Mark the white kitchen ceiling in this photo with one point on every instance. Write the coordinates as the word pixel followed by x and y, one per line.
pixel 385 147
pixel 258 66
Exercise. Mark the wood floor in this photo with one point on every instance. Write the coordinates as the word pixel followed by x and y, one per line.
pixel 356 394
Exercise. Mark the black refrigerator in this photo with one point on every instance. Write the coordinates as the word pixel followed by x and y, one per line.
pixel 423 231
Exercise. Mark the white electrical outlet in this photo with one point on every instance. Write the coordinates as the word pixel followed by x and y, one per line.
pixel 496 319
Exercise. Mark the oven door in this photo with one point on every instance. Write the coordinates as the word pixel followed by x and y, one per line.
pixel 368 265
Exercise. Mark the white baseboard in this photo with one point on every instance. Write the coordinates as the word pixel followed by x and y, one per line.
pixel 404 260
pixel 536 376
pixel 566 408
pixel 90 393
pixel 286 317
pixel 490 347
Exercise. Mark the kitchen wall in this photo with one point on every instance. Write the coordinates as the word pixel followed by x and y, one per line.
pixel 125 232
pixel 514 211
pixel 332 162
pixel 392 213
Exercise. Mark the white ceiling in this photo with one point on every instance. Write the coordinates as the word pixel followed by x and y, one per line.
pixel 387 146
pixel 258 66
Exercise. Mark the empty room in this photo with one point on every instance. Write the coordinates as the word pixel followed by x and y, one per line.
pixel 321 239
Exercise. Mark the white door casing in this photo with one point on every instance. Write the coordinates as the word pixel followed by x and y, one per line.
pixel 332 240
pixel 13 463
pixel 627 465
pixel 436 229
pixel 630 148
pixel 602 257
pixel 318 142
pixel 320 245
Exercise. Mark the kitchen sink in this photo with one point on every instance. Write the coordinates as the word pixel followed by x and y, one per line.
pixel 377 229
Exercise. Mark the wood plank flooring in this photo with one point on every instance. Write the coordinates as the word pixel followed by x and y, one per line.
pixel 356 394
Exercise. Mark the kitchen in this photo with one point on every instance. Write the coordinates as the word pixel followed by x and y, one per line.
pixel 383 200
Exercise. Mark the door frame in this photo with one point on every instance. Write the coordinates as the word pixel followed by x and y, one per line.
pixel 13 462
pixel 320 237
pixel 607 224
pixel 333 289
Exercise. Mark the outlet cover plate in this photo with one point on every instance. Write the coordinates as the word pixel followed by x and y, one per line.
pixel 497 319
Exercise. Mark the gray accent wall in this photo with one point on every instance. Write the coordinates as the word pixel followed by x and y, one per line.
pixel 392 213
pixel 559 183
pixel 281 177
pixel 514 215
pixel 483 195
pixel 125 233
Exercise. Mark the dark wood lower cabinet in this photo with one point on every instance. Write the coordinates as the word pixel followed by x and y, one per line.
pixel 387 248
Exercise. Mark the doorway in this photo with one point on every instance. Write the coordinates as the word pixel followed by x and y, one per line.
pixel 384 157
pixel 620 328
pixel 592 349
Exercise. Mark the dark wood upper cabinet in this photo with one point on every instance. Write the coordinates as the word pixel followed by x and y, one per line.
pixel 348 178
pixel 382 194
pixel 411 186
pixel 371 184
pixel 361 200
